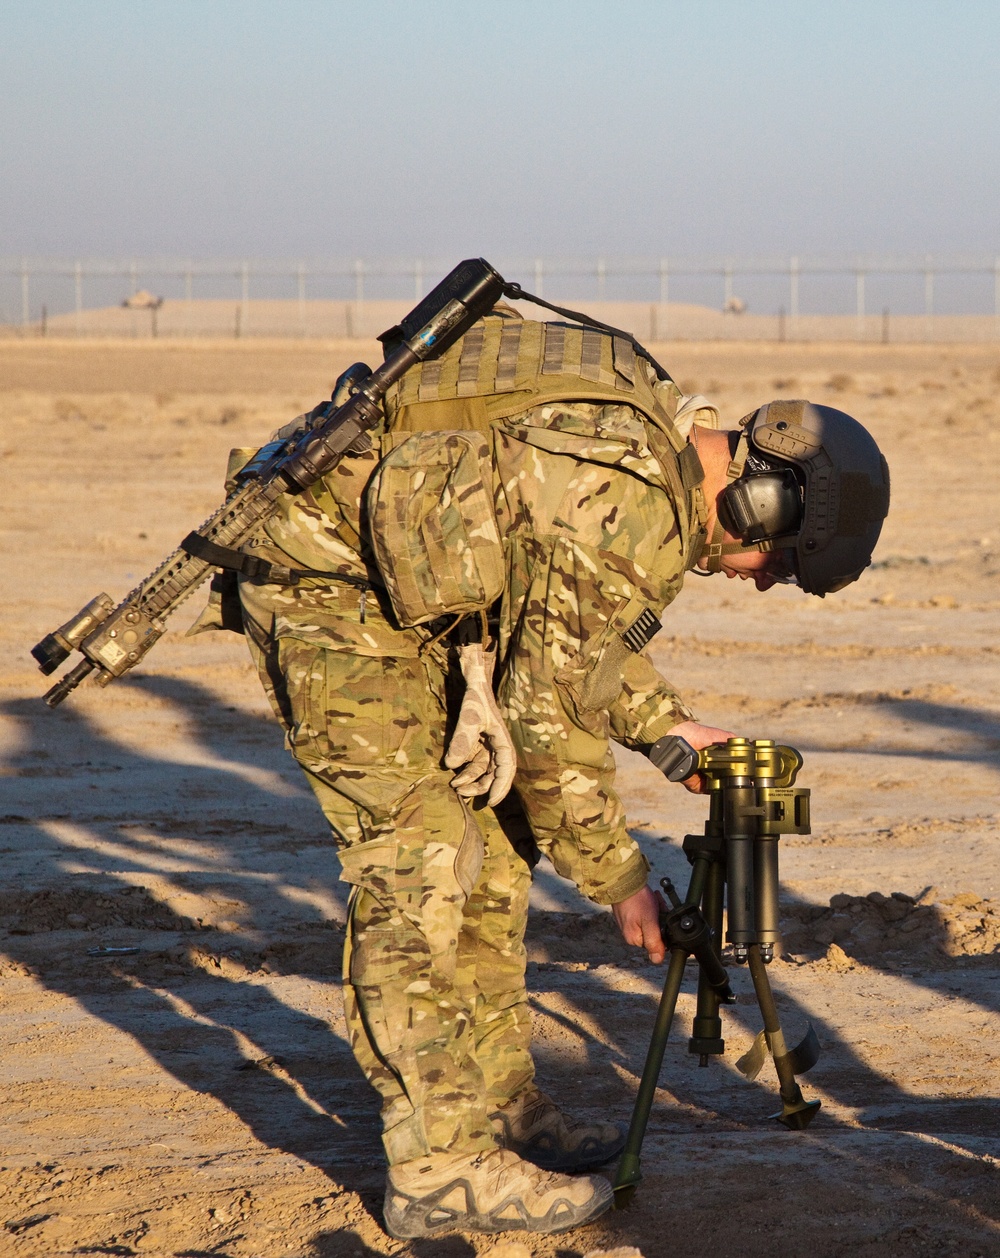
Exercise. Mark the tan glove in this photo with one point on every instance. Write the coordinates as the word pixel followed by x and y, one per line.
pixel 480 747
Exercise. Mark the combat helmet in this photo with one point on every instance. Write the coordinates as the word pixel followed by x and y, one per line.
pixel 811 482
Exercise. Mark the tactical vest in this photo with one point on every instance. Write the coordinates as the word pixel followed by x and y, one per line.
pixel 434 533
pixel 503 367
pixel 506 365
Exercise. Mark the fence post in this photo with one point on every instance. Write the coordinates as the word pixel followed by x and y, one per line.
pixel 186 329
pixel 860 285
pixel 359 296
pixel 664 295
pixel 996 294
pixel 301 276
pixel 78 274
pixel 244 300
pixel 928 297
pixel 25 308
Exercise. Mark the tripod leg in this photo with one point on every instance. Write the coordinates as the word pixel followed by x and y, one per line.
pixel 796 1113
pixel 706 1032
pixel 627 1176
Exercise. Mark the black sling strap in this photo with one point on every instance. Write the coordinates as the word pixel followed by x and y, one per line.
pixel 261 569
pixel 516 293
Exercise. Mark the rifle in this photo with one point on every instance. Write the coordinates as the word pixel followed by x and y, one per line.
pixel 114 639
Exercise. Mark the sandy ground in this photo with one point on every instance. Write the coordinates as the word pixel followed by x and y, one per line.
pixel 198 1097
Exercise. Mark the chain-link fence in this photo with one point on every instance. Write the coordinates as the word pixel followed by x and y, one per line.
pixel 799 298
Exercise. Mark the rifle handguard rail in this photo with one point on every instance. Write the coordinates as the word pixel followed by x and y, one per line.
pixel 112 639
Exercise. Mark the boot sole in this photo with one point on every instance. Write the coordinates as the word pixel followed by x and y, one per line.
pixel 414 1222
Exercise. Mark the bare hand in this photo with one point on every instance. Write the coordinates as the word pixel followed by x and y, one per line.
pixel 700 737
pixel 638 919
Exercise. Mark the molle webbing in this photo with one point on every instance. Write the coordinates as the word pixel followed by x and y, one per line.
pixel 506 365
pixel 538 362
pixel 468 363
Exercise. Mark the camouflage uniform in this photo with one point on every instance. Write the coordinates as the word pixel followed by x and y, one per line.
pixel 434 962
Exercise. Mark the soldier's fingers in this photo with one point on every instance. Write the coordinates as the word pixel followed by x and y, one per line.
pixel 472 782
pixel 463 747
pixel 701 736
pixel 474 772
pixel 504 766
pixel 474 789
pixel 652 940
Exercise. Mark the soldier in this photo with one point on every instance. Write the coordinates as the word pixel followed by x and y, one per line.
pixel 553 472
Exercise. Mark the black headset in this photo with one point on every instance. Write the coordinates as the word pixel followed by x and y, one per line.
pixel 765 502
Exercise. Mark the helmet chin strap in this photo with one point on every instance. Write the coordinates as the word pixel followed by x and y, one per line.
pixel 715 548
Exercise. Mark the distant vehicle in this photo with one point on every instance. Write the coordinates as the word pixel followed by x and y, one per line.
pixel 142 300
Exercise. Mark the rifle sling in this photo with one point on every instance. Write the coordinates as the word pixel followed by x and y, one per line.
pixel 516 293
pixel 261 569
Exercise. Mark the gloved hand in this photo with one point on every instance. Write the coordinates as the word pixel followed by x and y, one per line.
pixel 480 747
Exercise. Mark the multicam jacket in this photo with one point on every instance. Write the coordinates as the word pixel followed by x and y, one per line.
pixel 600 513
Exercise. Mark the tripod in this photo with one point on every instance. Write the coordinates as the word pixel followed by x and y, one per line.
pixel 734 863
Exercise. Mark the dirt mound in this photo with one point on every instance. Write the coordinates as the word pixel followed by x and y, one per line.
pixel 876 925
pixel 87 909
pixel 232 956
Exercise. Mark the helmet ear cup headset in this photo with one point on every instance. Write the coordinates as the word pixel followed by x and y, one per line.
pixel 809 480
pixel 762 505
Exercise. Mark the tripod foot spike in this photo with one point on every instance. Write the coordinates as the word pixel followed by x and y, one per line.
pixel 797 1115
pixel 627 1180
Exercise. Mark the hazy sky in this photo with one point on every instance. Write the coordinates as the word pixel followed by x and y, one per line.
pixel 375 127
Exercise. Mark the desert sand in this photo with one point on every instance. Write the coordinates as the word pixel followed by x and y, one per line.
pixel 198 1097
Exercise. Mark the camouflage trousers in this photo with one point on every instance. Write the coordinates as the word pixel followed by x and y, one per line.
pixel 434 959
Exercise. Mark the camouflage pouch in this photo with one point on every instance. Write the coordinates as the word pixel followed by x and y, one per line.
pixel 433 526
